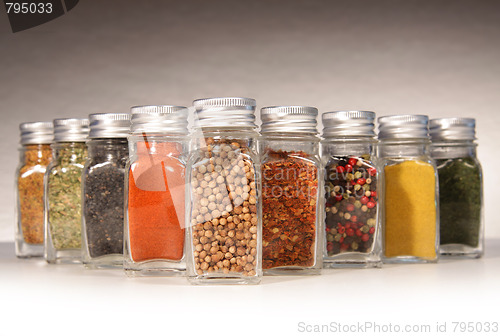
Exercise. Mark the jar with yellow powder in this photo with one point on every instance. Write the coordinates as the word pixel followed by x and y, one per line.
pixel 409 214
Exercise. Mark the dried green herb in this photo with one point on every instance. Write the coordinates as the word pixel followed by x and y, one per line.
pixel 460 201
pixel 64 196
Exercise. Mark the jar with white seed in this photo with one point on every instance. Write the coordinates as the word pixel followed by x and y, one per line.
pixel 223 207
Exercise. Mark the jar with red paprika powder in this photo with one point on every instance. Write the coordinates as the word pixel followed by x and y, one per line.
pixel 155 182
pixel 352 237
pixel 291 183
pixel 35 155
pixel 224 208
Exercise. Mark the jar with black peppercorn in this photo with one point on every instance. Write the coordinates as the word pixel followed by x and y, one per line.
pixel 103 182
pixel 35 155
pixel 291 183
pixel 460 187
pixel 63 192
pixel 223 207
pixel 351 190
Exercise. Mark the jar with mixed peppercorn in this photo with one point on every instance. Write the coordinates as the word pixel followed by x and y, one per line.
pixel 224 208
pixel 36 154
pixel 63 192
pixel 103 190
pixel 291 182
pixel 460 187
pixel 351 190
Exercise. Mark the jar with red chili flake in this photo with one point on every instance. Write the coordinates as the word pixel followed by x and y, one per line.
pixel 351 190
pixel 291 240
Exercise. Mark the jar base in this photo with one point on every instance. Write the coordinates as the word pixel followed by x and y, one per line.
pixel 221 279
pixel 25 250
pixel 154 268
pixel 408 260
pixel 110 261
pixel 72 256
pixel 352 263
pixel 291 270
pixel 460 251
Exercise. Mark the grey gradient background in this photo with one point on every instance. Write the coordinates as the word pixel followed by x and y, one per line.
pixel 440 58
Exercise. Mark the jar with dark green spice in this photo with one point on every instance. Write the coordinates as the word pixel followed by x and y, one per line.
pixel 460 187
pixel 63 192
pixel 103 182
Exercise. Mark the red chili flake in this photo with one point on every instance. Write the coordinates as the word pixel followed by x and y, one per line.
pixel 289 209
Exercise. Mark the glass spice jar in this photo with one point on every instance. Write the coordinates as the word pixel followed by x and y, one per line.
pixel 460 187
pixel 224 208
pixel 410 218
pixel 291 182
pixel 35 155
pixel 351 190
pixel 63 215
pixel 103 183
pixel 155 180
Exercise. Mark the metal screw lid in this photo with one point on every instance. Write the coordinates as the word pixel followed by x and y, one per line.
pixel 225 112
pixel 443 129
pixel 348 123
pixel 410 126
pixel 289 119
pixel 159 119
pixel 71 130
pixel 109 125
pixel 38 132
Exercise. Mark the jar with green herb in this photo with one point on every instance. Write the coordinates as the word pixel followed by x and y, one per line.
pixel 63 192
pixel 35 155
pixel 460 187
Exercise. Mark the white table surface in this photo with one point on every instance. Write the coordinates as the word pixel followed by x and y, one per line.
pixel 42 299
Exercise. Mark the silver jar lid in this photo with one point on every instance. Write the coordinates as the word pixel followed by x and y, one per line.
pixel 71 130
pixel 289 119
pixel 348 123
pixel 410 126
pixel 38 132
pixel 109 125
pixel 159 119
pixel 225 112
pixel 452 129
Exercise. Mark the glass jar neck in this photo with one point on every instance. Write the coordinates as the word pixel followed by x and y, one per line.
pixel 307 143
pixel 404 148
pixel 37 154
pixel 157 144
pixel 109 148
pixel 348 146
pixel 453 149
pixel 70 152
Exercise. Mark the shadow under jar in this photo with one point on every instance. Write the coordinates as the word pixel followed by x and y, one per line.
pixel 351 190
pixel 224 215
pixel 103 181
pixel 154 227
pixel 35 155
pixel 410 218
pixel 460 187
pixel 63 192
pixel 291 183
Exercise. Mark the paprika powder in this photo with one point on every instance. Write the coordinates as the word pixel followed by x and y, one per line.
pixel 155 196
